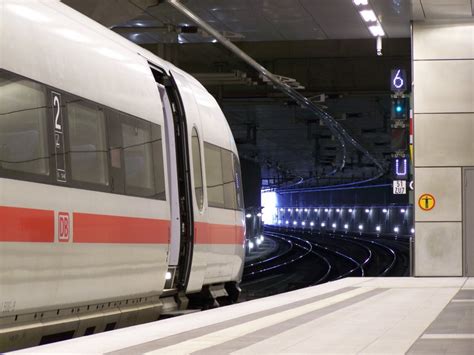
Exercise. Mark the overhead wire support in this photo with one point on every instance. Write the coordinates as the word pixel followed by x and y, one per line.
pixel 336 129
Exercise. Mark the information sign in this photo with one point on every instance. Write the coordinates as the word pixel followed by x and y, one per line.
pixel 398 80
pixel 399 187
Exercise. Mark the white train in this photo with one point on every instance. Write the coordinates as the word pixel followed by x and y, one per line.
pixel 119 181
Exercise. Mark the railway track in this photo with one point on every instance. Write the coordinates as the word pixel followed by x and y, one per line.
pixel 311 259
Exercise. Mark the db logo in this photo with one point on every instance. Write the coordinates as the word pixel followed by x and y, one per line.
pixel 63 226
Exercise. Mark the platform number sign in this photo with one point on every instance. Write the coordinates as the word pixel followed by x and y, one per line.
pixel 400 168
pixel 398 81
pixel 63 227
pixel 399 187
pixel 58 128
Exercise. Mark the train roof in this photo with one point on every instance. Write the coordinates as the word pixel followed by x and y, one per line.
pixel 50 42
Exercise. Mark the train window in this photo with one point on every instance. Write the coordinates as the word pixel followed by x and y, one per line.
pixel 157 145
pixel 197 169
pixel 138 158
pixel 23 127
pixel 87 143
pixel 215 180
pixel 114 131
pixel 238 183
pixel 228 175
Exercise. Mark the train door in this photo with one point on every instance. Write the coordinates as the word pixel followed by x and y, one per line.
pixel 182 222
pixel 468 244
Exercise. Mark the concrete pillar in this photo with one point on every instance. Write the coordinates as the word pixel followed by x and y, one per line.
pixel 443 71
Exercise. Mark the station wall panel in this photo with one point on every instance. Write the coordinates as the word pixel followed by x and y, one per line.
pixel 444 86
pixel 444 140
pixel 445 185
pixel 444 41
pixel 438 249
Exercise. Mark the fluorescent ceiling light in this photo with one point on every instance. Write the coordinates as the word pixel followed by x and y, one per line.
pixel 377 31
pixel 360 2
pixel 368 15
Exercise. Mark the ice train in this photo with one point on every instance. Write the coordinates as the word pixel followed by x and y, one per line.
pixel 120 185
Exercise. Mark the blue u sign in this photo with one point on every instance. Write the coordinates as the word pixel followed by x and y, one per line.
pixel 400 168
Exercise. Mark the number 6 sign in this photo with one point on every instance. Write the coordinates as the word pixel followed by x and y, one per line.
pixel 398 80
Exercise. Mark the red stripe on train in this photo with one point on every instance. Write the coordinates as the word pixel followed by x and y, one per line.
pixel 26 225
pixel 218 234
pixel 93 228
pixel 37 226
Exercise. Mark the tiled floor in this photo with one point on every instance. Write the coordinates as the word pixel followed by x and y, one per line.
pixel 452 332
pixel 350 316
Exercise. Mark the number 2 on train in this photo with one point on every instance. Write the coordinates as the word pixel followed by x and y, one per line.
pixel 58 138
pixel 58 124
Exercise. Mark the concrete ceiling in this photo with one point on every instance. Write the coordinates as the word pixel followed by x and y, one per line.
pixel 323 44
pixel 154 21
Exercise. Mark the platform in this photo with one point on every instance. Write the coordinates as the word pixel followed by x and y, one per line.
pixel 349 316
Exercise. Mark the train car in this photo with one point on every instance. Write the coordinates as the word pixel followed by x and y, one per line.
pixel 120 186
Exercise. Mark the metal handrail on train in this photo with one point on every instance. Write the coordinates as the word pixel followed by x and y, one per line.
pixel 336 129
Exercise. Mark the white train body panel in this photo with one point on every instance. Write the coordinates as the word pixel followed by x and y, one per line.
pixel 49 43
pixel 70 273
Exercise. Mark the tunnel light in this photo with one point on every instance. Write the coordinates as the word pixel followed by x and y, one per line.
pixel 334 225
pixel 295 223
pixel 316 210
pixel 251 245
pixel 287 222
pixel 311 224
pixel 377 30
pixel 297 210
pixel 259 214
pixel 303 223
pixel 262 238
pixel 289 209
pixel 412 230
pixel 279 221
pixel 248 215
pixel 402 210
pixel 384 210
pixel 396 229
pixel 338 210
pixel 367 210
pixel 258 241
pixel 351 210
pixel 378 228
pixel 326 210
pixel 282 210
pixel 323 224
pixel 368 15
pixel 346 226
pixel 361 227
pixel 168 275
pixel 360 2
pixel 306 210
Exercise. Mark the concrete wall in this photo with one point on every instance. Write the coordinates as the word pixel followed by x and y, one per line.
pixel 443 71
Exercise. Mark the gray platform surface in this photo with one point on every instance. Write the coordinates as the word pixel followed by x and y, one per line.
pixel 349 316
